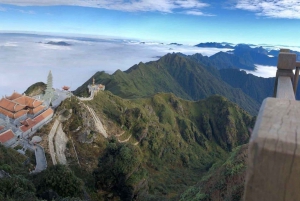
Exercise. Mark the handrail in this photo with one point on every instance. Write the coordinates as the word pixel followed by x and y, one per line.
pixel 285 66
pixel 296 76
pixel 274 148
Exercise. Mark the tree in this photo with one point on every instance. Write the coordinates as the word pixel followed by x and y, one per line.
pixel 60 179
pixel 17 188
pixel 119 170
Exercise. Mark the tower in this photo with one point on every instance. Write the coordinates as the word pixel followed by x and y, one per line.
pixel 49 89
pixel 50 80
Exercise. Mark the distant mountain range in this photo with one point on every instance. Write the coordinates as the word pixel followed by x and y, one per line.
pixel 60 43
pixel 242 56
pixel 196 77
pixel 215 45
pixel 172 73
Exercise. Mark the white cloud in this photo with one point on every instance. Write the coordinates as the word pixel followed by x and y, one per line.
pixel 198 13
pixel 272 8
pixel 166 6
pixel 263 71
pixel 27 59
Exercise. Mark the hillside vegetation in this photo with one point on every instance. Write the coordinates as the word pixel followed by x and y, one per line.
pixel 168 137
pixel 170 145
pixel 173 73
pixel 36 89
pixel 224 181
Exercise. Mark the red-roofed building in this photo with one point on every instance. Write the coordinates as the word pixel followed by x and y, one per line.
pixel 7 137
pixel 18 105
pixel 14 96
pixel 66 88
pixel 29 124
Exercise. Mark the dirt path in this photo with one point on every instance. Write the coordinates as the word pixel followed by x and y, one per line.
pixel 122 141
pixel 60 145
pixel 50 140
pixel 119 135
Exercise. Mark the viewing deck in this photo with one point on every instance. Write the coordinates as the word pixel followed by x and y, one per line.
pixel 273 172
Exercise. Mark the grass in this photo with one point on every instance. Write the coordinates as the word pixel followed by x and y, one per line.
pixel 176 147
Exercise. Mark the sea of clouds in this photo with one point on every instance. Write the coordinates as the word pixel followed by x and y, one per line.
pixel 26 59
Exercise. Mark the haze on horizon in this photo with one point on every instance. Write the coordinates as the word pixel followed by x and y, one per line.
pixel 183 21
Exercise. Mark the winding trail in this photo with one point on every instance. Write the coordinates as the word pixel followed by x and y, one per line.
pixel 88 98
pixel 50 140
pixel 119 135
pixel 60 145
pixel 41 162
pixel 122 141
pixel 97 121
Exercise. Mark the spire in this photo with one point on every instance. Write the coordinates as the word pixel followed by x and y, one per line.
pixel 49 89
pixel 93 81
pixel 50 80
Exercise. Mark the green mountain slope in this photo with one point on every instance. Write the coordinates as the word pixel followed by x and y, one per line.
pixel 172 73
pixel 169 137
pixel 36 89
pixel 225 181
pixel 257 88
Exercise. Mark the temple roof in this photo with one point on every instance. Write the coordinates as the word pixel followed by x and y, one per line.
pixel 10 105
pixel 2 127
pixel 6 136
pixel 14 96
pixel 29 123
pixel 65 88
pixel 28 101
pixel 36 110
pixel 11 114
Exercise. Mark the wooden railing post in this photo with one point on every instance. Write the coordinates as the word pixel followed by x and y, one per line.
pixel 273 167
pixel 296 77
pixel 285 66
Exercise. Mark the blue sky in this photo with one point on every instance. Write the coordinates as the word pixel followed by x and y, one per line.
pixel 274 22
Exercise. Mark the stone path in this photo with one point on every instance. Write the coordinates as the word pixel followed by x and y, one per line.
pixel 97 121
pixel 88 98
pixel 60 145
pixel 50 140
pixel 41 162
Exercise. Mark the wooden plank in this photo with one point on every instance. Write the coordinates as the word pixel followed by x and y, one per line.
pixel 285 88
pixel 296 78
pixel 286 61
pixel 284 50
pixel 274 153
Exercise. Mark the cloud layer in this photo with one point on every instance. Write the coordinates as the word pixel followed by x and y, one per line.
pixel 272 8
pixel 191 7
pixel 26 59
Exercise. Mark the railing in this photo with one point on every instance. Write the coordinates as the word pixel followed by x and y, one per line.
pixel 274 150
